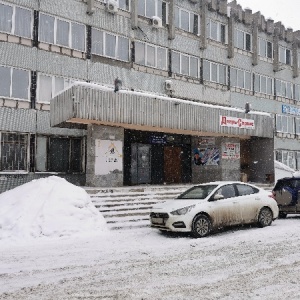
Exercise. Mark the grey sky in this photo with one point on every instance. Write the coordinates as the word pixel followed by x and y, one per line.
pixel 286 11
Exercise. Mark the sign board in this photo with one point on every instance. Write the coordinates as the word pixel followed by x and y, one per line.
pixel 237 122
pixel 108 156
pixel 231 151
pixel 290 110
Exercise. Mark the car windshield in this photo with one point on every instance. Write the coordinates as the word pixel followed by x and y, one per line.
pixel 197 192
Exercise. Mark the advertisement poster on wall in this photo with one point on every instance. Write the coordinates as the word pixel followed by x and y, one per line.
pixel 205 152
pixel 108 156
pixel 231 151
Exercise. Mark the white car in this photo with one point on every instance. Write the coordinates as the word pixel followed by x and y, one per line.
pixel 208 206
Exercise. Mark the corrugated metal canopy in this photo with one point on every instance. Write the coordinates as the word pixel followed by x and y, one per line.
pixel 87 103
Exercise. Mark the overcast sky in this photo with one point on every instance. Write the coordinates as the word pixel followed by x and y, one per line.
pixel 286 11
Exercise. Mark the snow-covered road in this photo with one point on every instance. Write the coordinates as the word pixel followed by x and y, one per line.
pixel 238 263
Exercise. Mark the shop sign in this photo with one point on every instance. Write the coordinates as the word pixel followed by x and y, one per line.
pixel 291 110
pixel 108 156
pixel 231 151
pixel 226 121
pixel 154 139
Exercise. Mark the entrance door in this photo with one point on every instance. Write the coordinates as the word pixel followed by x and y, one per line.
pixel 140 164
pixel 172 164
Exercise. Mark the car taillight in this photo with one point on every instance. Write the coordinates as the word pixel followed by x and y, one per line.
pixel 272 195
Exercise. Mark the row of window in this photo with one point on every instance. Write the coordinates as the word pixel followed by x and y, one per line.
pixel 53 30
pixel 289 158
pixel 52 154
pixel 288 124
pixel 15 83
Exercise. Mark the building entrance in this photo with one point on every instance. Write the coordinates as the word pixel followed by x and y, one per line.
pixel 172 164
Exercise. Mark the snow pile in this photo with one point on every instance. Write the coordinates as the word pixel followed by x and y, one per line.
pixel 49 207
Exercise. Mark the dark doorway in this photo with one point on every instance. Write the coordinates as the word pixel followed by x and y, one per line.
pixel 172 164
pixel 140 163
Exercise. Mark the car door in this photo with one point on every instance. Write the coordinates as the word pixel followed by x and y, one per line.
pixel 249 202
pixel 225 211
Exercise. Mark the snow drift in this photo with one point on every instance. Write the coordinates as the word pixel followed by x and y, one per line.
pixel 49 207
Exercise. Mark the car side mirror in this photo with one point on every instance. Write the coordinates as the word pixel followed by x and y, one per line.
pixel 218 197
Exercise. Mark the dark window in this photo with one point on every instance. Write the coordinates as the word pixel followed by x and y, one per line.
pixel 195 27
pixel 245 190
pixel 13 152
pixel 269 50
pixel 248 42
pixel 288 57
pixel 223 33
pixel 65 155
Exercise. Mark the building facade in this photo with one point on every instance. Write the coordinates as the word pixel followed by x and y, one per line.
pixel 145 92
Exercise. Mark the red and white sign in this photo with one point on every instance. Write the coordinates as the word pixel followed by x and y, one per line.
pixel 236 122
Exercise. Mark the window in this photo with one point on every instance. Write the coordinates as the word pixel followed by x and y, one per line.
pixel 14 152
pixel 15 20
pixel 153 8
pixel 62 32
pixel 265 48
pixel 285 124
pixel 227 191
pixel 243 40
pixel 284 89
pixel 297 122
pixel 216 31
pixel 289 158
pixel 187 21
pixel 150 55
pixel 48 86
pixel 241 79
pixel 214 72
pixel 285 55
pixel 297 92
pixel 263 84
pixel 244 190
pixel 185 64
pixel 59 154
pixel 14 83
pixel 110 45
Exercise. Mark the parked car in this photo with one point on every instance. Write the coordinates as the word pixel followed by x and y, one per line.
pixel 286 192
pixel 209 206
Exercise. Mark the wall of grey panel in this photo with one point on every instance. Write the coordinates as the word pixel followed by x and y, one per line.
pixel 33 4
pixel 43 126
pixel 287 143
pixel 19 120
pixel 18 56
pixel 114 178
pixel 76 68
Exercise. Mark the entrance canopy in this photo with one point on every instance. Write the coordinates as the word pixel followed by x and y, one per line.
pixel 85 103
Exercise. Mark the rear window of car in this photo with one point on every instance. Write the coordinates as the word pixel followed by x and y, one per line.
pixel 246 190
pixel 293 183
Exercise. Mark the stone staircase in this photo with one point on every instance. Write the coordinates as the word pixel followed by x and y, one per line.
pixel 129 207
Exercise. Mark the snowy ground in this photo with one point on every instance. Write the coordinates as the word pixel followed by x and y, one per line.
pixel 44 259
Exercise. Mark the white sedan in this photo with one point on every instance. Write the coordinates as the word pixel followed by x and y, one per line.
pixel 208 206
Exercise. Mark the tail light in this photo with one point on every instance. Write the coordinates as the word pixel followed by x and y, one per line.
pixel 272 195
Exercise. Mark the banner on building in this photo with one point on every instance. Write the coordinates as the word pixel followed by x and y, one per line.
pixel 231 151
pixel 236 122
pixel 108 156
pixel 206 153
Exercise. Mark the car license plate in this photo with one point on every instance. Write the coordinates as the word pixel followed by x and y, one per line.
pixel 159 221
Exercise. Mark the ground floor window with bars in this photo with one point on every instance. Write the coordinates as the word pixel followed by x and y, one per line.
pixel 289 158
pixel 14 152
pixel 59 154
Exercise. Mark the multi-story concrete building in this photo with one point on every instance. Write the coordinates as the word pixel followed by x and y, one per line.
pixel 125 92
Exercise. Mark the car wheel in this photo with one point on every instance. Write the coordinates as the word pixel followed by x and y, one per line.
pixel 265 217
pixel 201 226
pixel 282 215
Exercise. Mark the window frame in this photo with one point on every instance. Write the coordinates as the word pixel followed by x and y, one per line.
pixel 211 63
pixel 267 50
pixel 10 96
pixel 191 17
pixel 26 158
pixel 53 86
pixel 244 79
pixel 104 42
pixel 220 38
pixel 70 32
pixel 287 122
pixel 283 51
pixel 181 55
pixel 156 2
pixel 286 89
pixel 260 79
pixel 13 23
pixel 245 35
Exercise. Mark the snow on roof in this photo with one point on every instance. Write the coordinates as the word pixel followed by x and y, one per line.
pixel 281 166
pixel 48 207
pixel 155 96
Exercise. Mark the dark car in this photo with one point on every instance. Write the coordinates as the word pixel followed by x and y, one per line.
pixel 287 195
